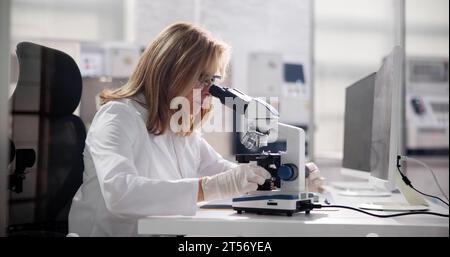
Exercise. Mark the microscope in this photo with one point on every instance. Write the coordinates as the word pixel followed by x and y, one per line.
pixel 285 192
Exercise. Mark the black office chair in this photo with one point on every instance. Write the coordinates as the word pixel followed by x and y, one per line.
pixel 48 92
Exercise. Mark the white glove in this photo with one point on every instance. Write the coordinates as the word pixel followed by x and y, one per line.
pixel 234 182
pixel 315 179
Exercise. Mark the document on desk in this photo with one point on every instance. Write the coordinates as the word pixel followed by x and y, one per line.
pixel 217 204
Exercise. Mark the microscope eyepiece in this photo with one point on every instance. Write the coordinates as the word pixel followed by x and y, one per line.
pixel 216 91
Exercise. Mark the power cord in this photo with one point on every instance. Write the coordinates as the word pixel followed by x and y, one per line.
pixel 408 182
pixel 319 206
pixel 406 158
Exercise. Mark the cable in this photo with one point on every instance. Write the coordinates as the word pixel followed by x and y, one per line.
pixel 406 158
pixel 408 182
pixel 318 206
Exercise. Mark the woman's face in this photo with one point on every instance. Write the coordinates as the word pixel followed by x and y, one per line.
pixel 199 93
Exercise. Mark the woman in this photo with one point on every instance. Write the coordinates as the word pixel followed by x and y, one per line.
pixel 137 160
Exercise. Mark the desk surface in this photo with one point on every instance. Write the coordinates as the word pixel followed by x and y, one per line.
pixel 321 222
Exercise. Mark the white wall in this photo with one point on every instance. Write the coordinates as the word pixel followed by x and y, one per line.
pixel 148 18
pixel 86 20
pixel 351 38
pixel 427 28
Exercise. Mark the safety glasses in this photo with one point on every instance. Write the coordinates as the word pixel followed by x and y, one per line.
pixel 206 81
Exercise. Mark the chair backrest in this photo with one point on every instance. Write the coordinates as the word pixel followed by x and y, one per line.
pixel 47 93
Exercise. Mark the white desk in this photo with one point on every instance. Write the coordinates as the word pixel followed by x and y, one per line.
pixel 321 222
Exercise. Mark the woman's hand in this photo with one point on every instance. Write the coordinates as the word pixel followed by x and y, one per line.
pixel 234 182
pixel 315 180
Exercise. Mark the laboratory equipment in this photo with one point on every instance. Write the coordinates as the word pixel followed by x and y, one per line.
pixel 286 191
pixel 284 81
pixel 427 106
pixel 109 59
pixel 269 64
pixel 103 66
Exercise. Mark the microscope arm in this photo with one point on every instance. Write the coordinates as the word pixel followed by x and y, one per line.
pixel 295 154
pixel 263 127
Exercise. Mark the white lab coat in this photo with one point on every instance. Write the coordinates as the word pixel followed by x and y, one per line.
pixel 130 174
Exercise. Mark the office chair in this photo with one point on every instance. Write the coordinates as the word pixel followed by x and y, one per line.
pixel 48 92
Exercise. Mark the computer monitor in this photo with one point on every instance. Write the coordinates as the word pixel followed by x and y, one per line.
pixel 386 133
pixel 386 138
pixel 372 129
pixel 373 133
pixel 356 162
pixel 358 128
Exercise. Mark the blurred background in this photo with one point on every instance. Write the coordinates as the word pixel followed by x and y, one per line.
pixel 304 52
pixel 321 46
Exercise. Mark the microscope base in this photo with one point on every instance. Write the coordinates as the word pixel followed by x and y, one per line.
pixel 273 203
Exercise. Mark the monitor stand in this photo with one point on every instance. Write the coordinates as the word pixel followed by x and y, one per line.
pixel 414 201
pixel 352 185
pixel 365 193
pixel 358 189
pixel 387 206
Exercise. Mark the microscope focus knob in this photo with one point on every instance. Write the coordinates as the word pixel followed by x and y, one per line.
pixel 287 172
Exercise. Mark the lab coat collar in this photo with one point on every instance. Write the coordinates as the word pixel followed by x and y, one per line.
pixel 140 104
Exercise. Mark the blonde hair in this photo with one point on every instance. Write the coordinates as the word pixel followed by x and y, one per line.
pixel 169 67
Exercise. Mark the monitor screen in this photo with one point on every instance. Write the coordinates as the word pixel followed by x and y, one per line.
pixel 386 121
pixel 293 73
pixel 372 129
pixel 358 124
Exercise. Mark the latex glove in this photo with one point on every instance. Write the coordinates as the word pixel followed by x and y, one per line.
pixel 315 179
pixel 234 182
